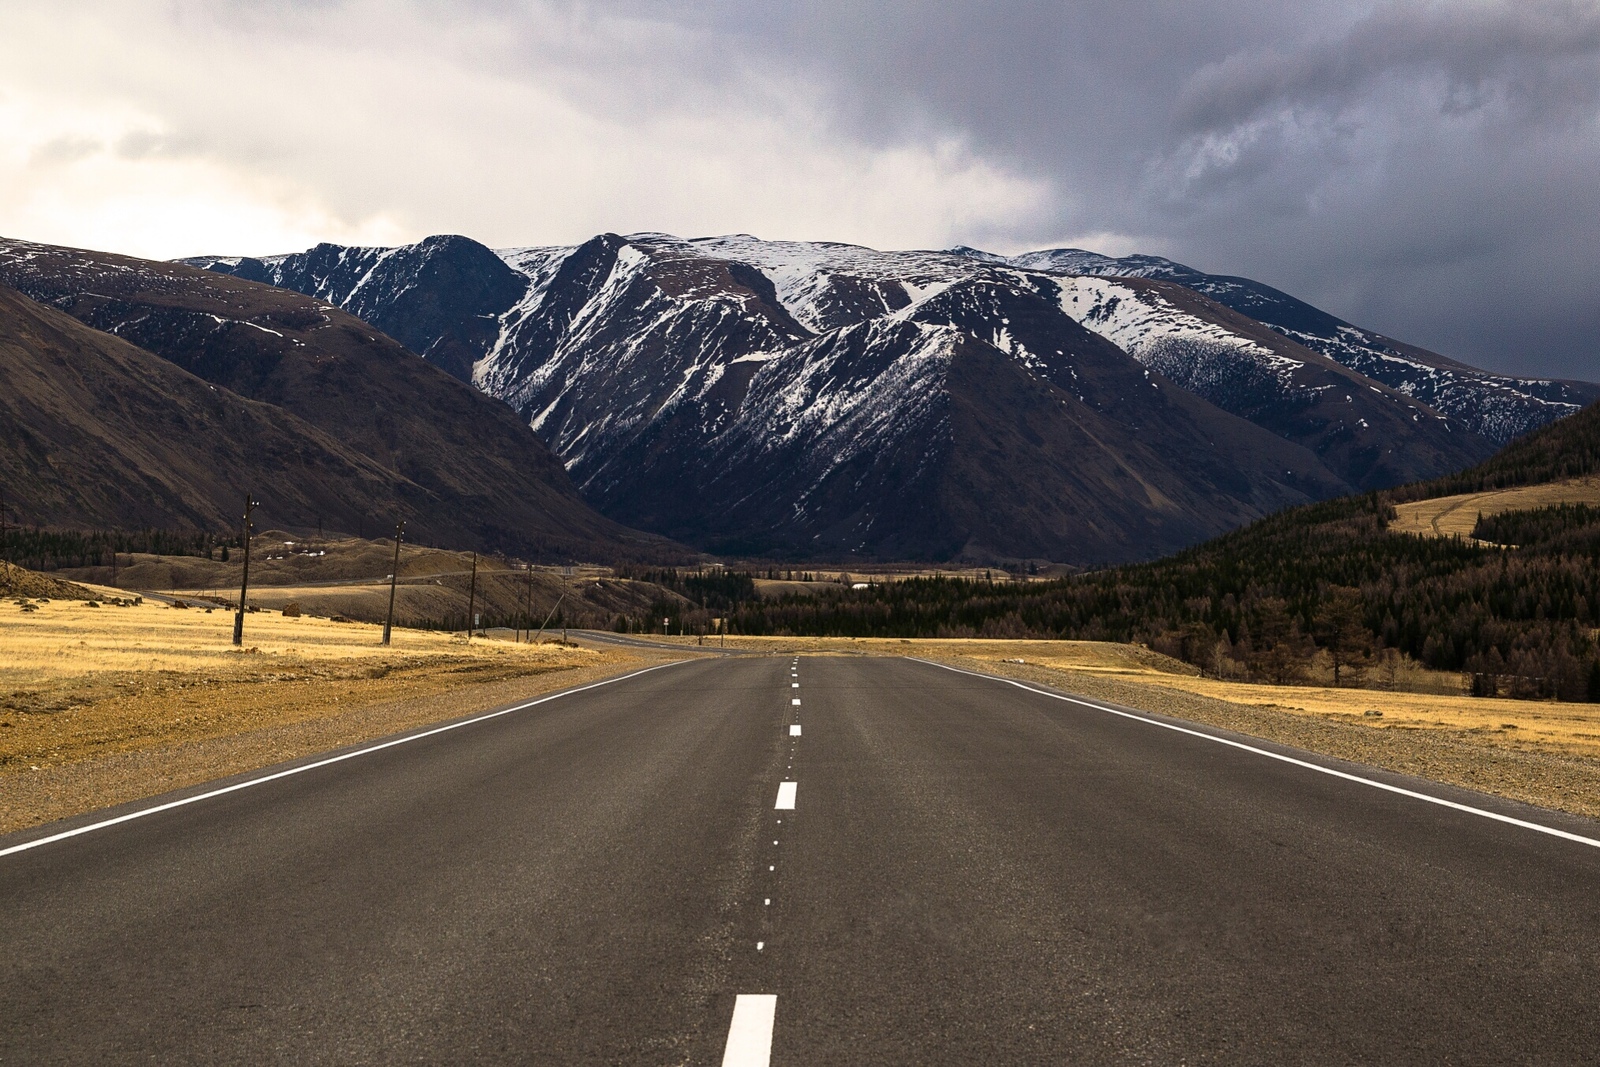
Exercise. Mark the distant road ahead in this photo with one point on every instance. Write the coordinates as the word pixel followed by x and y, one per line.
pixel 970 873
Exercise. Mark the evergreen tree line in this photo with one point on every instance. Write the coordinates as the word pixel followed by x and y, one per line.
pixel 714 591
pixel 49 549
pixel 1262 601
pixel 1566 448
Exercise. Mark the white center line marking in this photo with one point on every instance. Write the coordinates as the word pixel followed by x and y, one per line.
pixel 760 945
pixel 786 791
pixel 1385 786
pixel 795 702
pixel 794 731
pixel 750 1035
pixel 794 685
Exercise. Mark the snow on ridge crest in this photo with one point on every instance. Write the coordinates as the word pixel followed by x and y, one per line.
pixel 1141 322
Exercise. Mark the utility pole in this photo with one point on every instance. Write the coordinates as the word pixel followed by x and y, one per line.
pixel 527 609
pixel 244 583
pixel 394 579
pixel 552 615
pixel 565 574
pixel 5 543
pixel 472 597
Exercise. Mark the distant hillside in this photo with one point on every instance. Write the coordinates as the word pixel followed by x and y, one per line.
pixel 99 432
pixel 348 428
pixel 1328 578
pixel 824 400
pixel 1569 448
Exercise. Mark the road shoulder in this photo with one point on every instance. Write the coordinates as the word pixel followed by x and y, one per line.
pixel 1554 780
pixel 285 721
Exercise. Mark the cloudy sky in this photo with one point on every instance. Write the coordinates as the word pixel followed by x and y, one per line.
pixel 1431 170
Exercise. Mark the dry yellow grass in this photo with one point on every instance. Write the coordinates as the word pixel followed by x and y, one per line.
pixel 1450 516
pixel 67 639
pixel 109 704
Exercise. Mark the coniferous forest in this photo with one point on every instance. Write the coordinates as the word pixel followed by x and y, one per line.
pixel 1515 608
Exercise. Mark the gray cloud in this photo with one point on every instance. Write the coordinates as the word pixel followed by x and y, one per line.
pixel 1426 169
pixel 1422 168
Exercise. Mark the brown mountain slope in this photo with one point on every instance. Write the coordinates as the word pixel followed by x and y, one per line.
pixel 99 432
pixel 351 430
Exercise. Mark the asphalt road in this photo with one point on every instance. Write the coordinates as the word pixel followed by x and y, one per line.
pixel 971 874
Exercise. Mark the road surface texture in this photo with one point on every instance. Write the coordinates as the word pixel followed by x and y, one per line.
pixel 935 868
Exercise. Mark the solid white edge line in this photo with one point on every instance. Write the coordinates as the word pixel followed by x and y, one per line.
pixel 750 1032
pixel 169 805
pixel 1386 787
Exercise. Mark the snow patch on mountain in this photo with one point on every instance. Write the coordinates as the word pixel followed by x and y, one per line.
pixel 1201 356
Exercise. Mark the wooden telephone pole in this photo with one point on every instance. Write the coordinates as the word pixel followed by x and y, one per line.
pixel 472 597
pixel 527 609
pixel 244 583
pixel 394 579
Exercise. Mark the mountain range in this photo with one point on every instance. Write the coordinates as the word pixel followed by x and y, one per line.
pixel 144 393
pixel 827 400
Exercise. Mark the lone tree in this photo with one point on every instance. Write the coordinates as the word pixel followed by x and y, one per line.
pixel 1342 632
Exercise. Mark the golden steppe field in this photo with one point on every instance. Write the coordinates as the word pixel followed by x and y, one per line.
pixel 100 705
pixel 1456 516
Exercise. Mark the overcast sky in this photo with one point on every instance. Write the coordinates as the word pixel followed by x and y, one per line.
pixel 1431 170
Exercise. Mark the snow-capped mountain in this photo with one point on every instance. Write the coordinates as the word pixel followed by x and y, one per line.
pixel 442 297
pixel 1496 406
pixel 342 422
pixel 827 399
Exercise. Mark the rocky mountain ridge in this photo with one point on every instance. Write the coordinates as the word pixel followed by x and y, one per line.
pixel 826 399
pixel 1496 406
pixel 324 418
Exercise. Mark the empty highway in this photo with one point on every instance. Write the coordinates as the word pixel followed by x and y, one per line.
pixel 817 861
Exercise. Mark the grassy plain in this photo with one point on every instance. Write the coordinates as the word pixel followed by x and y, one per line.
pixel 1449 516
pixel 104 705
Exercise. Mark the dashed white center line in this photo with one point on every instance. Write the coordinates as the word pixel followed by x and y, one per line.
pixel 794 685
pixel 786 792
pixel 795 702
pixel 794 731
pixel 750 1035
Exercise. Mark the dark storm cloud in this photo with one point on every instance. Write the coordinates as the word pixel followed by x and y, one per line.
pixel 1429 170
pixel 1425 169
